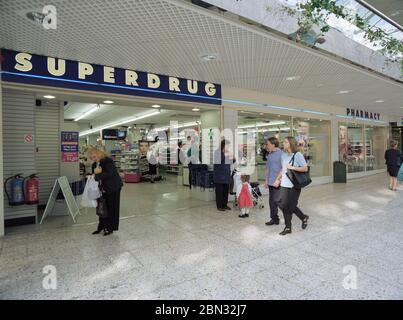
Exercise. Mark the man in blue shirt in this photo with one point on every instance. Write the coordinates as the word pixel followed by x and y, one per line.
pixel 273 169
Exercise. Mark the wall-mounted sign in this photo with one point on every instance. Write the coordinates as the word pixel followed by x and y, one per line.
pixel 29 138
pixel 361 114
pixel 109 134
pixel 69 146
pixel 33 69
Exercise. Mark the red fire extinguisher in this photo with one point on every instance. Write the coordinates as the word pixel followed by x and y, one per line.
pixel 31 190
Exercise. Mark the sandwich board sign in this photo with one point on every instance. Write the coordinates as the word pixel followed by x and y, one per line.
pixel 63 184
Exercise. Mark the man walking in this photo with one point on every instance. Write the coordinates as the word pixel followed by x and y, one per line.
pixel 273 168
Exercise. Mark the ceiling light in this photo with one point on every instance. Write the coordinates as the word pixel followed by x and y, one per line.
pixel 87 113
pixel 293 78
pixel 49 97
pixel 108 102
pixel 117 124
pixel 156 106
pixel 195 109
pixel 209 57
pixel 379 101
pixel 344 91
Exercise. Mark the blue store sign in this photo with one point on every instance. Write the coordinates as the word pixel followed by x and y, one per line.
pixel 20 67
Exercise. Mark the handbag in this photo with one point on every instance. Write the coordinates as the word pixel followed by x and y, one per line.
pixel 298 179
pixel 102 209
pixel 400 174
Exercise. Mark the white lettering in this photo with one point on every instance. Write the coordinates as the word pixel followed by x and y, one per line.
pixel 174 84
pixel 109 74
pixel 84 69
pixel 61 67
pixel 210 89
pixel 153 81
pixel 50 20
pixel 49 282
pixel 131 78
pixel 23 62
pixel 192 86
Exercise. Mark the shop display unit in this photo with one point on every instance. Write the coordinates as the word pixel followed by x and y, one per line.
pixel 126 158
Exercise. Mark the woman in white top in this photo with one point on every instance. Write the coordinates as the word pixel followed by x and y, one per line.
pixel 291 159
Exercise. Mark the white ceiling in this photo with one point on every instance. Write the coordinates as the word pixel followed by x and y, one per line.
pixel 113 113
pixel 170 36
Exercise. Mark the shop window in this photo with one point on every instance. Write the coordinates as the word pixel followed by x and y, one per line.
pixel 313 137
pixel 262 127
pixel 362 148
pixel 375 138
pixel 352 147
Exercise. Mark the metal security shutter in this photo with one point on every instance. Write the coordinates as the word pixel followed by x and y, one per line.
pixel 19 156
pixel 48 150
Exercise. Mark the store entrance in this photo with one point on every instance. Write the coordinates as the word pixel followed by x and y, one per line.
pixel 148 144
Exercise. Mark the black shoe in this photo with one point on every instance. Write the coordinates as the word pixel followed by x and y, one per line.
pixel 272 222
pixel 107 233
pixel 244 215
pixel 305 222
pixel 285 231
pixel 227 208
pixel 221 209
pixel 97 232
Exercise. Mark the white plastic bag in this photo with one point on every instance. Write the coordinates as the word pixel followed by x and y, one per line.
pixel 90 194
pixel 93 189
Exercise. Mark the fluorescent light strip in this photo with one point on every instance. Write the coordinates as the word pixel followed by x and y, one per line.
pixel 97 107
pixel 360 119
pixel 317 112
pixel 116 124
pixel 268 130
pixel 189 124
pixel 274 123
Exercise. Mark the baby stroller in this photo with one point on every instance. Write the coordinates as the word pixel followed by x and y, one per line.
pixel 257 195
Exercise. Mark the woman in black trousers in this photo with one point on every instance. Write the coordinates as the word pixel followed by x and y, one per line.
pixel 291 159
pixel 105 172
pixel 222 176
pixel 393 160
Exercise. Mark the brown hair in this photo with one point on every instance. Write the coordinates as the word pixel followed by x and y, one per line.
pixel 293 144
pixel 393 143
pixel 274 141
pixel 245 178
pixel 101 154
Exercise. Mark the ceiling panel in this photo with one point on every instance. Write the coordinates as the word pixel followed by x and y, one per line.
pixel 169 37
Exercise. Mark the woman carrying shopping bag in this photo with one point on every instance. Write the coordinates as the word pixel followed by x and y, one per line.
pixel 293 167
pixel 105 172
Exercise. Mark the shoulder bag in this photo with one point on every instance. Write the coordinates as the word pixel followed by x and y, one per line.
pixel 298 179
pixel 102 209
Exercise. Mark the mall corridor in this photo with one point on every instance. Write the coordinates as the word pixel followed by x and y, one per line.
pixel 194 252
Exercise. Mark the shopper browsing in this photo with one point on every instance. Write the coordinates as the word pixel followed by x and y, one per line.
pixel 244 196
pixel 393 159
pixel 273 169
pixel 291 159
pixel 106 174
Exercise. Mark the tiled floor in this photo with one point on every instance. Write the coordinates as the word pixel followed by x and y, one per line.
pixel 173 247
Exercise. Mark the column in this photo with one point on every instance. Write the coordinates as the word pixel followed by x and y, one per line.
pixel 1 165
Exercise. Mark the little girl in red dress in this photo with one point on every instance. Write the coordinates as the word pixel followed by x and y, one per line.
pixel 244 196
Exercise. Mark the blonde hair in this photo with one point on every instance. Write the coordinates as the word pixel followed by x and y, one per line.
pixel 101 154
pixel 245 178
pixel 393 143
